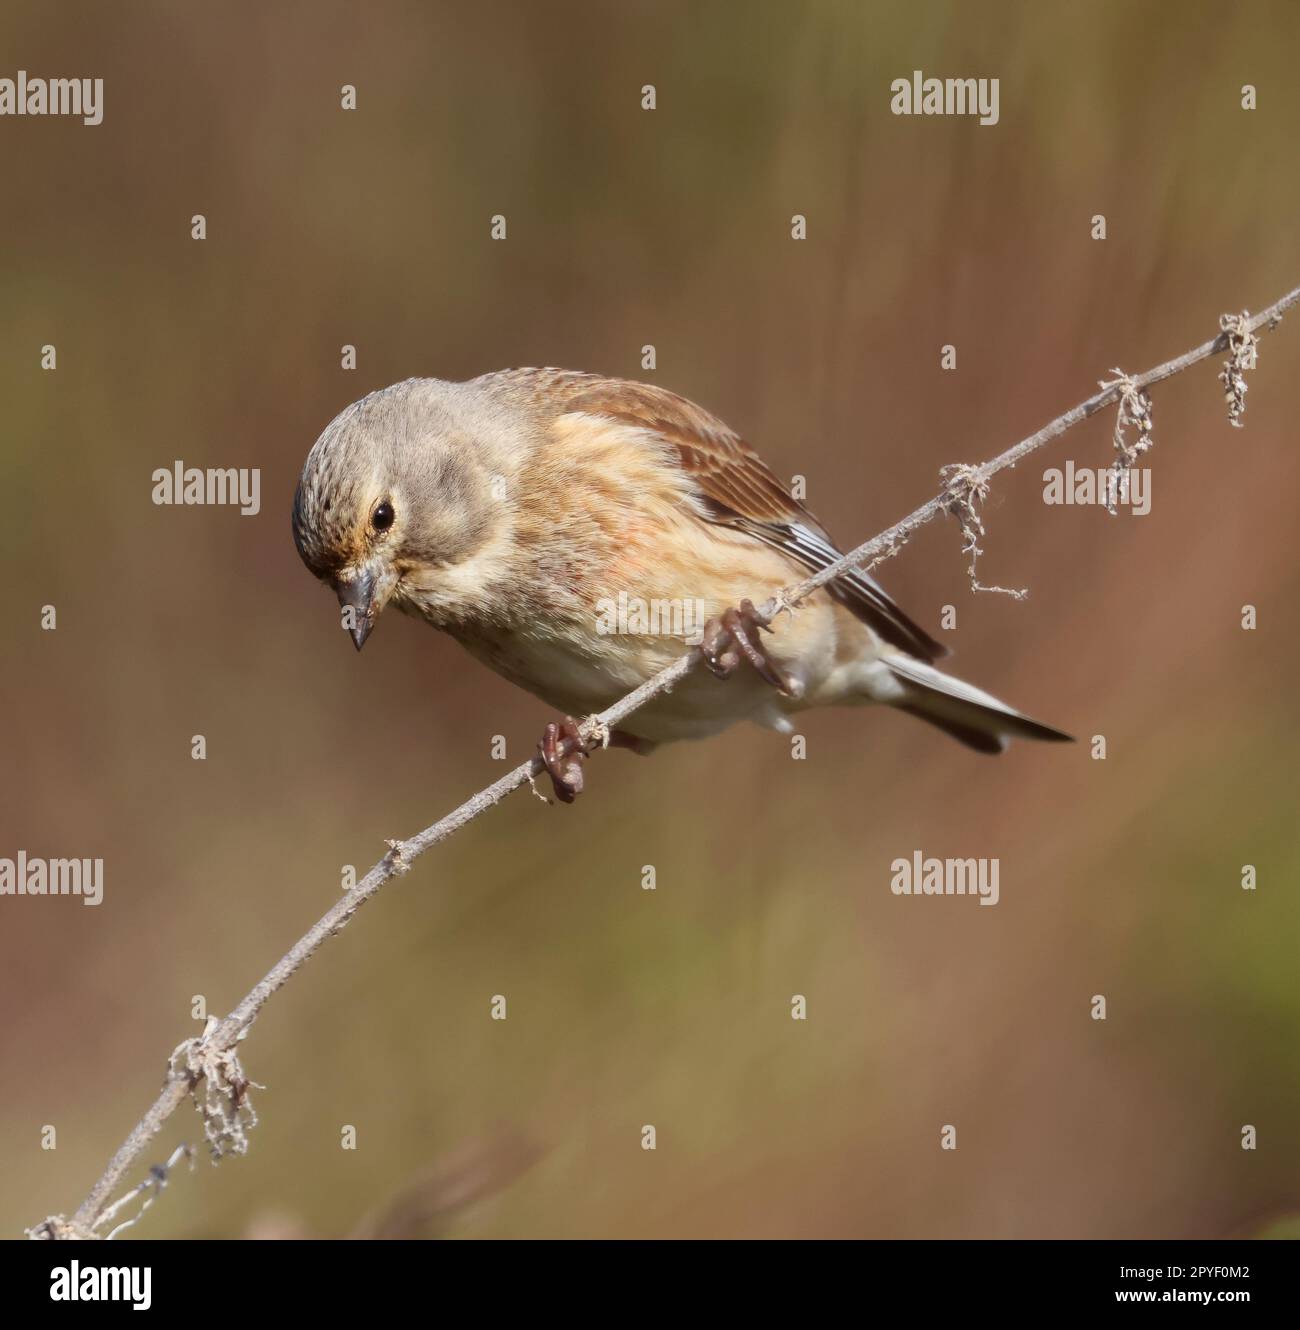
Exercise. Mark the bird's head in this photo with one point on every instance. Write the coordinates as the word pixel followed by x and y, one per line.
pixel 395 496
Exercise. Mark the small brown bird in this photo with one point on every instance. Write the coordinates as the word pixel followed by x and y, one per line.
pixel 577 533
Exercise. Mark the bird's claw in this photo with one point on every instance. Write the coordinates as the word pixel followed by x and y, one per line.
pixel 562 752
pixel 735 635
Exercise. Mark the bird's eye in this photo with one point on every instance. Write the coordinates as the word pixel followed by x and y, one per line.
pixel 382 518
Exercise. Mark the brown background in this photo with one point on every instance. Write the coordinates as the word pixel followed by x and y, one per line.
pixel 628 1007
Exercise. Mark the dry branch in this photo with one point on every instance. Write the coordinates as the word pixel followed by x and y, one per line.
pixel 212 1058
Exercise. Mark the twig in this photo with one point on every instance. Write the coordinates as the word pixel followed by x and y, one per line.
pixel 212 1056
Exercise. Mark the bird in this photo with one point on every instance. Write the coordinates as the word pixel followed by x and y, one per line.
pixel 540 517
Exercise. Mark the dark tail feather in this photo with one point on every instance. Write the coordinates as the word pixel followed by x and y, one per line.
pixel 982 741
pixel 970 715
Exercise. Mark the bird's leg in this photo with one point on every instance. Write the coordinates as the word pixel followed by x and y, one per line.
pixel 562 752
pixel 734 634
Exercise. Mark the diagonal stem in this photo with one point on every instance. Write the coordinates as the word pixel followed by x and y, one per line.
pixel 401 854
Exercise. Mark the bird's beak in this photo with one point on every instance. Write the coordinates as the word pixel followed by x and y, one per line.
pixel 364 591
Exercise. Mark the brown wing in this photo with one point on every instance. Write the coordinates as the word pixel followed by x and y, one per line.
pixel 733 484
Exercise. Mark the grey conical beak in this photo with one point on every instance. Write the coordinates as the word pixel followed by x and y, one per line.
pixel 358 594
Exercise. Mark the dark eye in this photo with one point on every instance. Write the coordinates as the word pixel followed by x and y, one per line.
pixel 382 518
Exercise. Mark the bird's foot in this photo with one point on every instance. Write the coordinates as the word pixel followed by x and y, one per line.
pixel 735 635
pixel 564 749
pixel 563 754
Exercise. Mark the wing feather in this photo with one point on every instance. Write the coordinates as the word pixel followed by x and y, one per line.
pixel 733 485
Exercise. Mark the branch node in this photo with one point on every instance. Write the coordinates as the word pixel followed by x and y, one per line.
pixel 594 731
pixel 227 1112
pixel 59 1228
pixel 398 857
pixel 1134 413
pixel 779 604
pixel 964 487
pixel 1243 355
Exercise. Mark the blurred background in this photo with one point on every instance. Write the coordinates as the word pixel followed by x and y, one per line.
pixel 670 1007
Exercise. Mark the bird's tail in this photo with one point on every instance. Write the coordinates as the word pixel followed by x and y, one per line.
pixel 969 714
